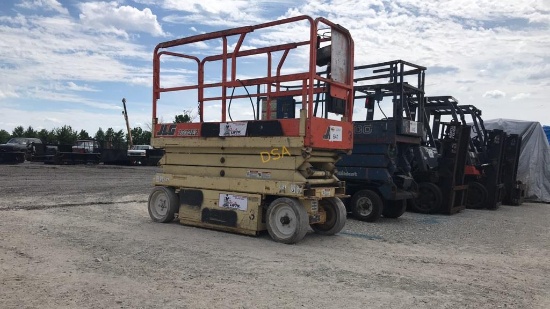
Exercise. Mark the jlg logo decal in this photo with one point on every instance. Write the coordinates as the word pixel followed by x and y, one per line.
pixel 275 154
pixel 167 130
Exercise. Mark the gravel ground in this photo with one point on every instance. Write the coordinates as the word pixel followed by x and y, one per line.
pixel 81 237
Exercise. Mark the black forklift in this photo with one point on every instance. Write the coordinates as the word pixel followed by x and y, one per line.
pixel 488 189
pixel 438 163
pixel 485 153
pixel 378 172
pixel 514 189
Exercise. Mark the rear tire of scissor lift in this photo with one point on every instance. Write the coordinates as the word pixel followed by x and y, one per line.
pixel 366 205
pixel 394 209
pixel 429 198
pixel 336 216
pixel 476 196
pixel 163 204
pixel 287 220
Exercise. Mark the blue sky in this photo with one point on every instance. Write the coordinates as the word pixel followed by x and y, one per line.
pixel 71 62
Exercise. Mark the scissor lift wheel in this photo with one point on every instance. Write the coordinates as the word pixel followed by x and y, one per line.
pixel 287 220
pixel 163 204
pixel 335 216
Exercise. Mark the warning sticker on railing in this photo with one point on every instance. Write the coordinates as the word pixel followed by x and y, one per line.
pixel 233 129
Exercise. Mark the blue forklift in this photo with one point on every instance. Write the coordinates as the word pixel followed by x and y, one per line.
pixel 378 172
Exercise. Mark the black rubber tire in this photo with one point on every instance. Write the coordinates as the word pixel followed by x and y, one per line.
pixel 20 158
pixel 287 220
pixel 476 196
pixel 371 200
pixel 336 216
pixel 429 200
pixel 394 209
pixel 163 204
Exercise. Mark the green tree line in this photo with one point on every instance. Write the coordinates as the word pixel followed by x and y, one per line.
pixel 67 135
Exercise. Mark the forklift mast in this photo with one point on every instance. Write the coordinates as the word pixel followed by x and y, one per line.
pixel 449 142
pixel 378 172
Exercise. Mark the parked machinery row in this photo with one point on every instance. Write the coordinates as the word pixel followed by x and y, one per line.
pixel 21 149
pixel 397 160
pixel 302 162
pixel 493 155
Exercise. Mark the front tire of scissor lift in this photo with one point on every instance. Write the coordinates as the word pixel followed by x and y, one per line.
pixel 429 198
pixel 335 216
pixel 366 205
pixel 287 220
pixel 394 209
pixel 163 204
pixel 476 196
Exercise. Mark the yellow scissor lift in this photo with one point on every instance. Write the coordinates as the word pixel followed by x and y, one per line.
pixel 277 172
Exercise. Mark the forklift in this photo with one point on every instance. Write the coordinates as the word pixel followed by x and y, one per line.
pixel 438 164
pixel 487 189
pixel 275 172
pixel 378 172
pixel 514 189
pixel 485 149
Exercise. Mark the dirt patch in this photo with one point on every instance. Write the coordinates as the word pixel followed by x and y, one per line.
pixel 75 236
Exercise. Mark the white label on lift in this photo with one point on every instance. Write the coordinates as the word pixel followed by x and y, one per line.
pixel 233 128
pixel 430 153
pixel 413 127
pixel 296 188
pixel 232 201
pixel 335 134
pixel 258 174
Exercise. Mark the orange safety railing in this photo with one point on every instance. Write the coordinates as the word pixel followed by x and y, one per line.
pixel 338 85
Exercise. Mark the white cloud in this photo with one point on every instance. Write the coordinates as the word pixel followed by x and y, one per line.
pixel 8 94
pixel 521 96
pixel 228 13
pixel 109 17
pixel 48 5
pixel 494 94
pixel 200 45
pixel 38 50
pixel 231 7
pixel 75 87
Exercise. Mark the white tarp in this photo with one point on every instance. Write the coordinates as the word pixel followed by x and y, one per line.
pixel 534 159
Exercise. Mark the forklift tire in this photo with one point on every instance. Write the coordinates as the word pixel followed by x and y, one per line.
pixel 476 196
pixel 366 205
pixel 429 198
pixel 336 216
pixel 287 220
pixel 163 204
pixel 394 209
